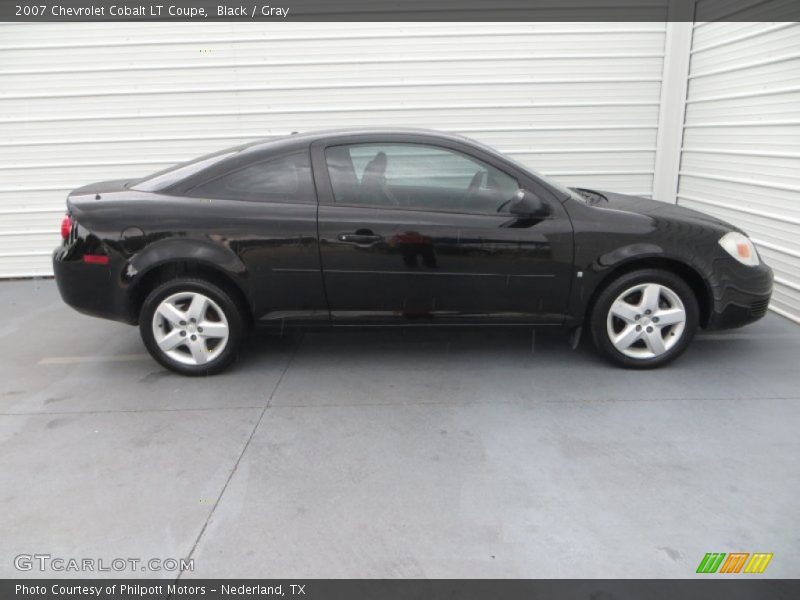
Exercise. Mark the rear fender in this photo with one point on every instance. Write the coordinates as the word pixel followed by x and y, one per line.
pixel 214 256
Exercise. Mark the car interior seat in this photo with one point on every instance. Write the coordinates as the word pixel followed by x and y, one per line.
pixel 343 174
pixel 373 188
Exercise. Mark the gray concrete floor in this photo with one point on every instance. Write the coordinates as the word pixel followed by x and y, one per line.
pixel 395 453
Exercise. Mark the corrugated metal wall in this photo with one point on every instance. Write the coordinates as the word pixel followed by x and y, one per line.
pixel 741 147
pixel 85 102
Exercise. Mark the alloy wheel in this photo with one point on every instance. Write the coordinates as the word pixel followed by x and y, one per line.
pixel 190 328
pixel 646 321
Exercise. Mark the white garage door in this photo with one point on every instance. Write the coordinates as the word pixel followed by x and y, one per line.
pixel 741 145
pixel 86 102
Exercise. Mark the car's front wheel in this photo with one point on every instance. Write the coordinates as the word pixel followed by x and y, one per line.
pixel 191 326
pixel 644 319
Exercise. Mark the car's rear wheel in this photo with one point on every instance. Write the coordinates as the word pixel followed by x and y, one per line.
pixel 644 319
pixel 191 326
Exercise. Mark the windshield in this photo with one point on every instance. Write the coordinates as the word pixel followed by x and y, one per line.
pixel 560 187
pixel 568 192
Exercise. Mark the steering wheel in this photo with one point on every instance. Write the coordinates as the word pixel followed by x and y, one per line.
pixel 475 184
pixel 503 205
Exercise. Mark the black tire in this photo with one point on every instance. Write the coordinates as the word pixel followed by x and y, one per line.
pixel 599 316
pixel 224 301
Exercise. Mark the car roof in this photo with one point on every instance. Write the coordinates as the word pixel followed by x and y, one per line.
pixel 312 136
pixel 268 146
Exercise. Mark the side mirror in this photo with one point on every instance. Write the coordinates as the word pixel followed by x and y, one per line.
pixel 528 204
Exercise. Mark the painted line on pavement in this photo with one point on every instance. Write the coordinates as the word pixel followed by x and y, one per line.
pixel 74 360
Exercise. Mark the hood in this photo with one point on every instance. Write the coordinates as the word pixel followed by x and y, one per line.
pixel 659 210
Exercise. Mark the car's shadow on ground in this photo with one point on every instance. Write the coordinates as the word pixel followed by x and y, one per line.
pixel 544 346
pixel 377 344
pixel 549 347
pixel 338 362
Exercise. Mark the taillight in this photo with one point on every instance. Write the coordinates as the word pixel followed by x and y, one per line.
pixel 66 227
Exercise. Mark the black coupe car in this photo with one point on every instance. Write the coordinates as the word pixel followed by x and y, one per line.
pixel 395 228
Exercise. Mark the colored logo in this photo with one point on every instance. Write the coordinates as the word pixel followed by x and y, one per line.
pixel 735 562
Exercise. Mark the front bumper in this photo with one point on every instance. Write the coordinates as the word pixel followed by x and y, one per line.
pixel 95 290
pixel 741 294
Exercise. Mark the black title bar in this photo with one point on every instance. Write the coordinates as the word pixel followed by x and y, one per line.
pixel 400 10
pixel 741 588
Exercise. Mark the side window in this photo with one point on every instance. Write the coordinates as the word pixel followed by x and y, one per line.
pixel 283 179
pixel 417 176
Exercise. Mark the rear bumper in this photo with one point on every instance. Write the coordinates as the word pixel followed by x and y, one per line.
pixel 92 289
pixel 741 295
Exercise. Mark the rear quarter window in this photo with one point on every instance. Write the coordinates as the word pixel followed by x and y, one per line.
pixel 283 179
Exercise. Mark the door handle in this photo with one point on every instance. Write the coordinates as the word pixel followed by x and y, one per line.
pixel 359 238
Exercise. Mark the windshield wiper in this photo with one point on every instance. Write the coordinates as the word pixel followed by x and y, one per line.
pixel 592 197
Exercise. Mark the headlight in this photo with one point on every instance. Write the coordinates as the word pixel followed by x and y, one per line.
pixel 740 247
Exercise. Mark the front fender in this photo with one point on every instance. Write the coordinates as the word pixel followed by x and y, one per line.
pixel 627 253
pixel 593 275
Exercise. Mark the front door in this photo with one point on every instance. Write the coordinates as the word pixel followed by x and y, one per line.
pixel 412 231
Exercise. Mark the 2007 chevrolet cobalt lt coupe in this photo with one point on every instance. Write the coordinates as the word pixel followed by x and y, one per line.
pixel 396 228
